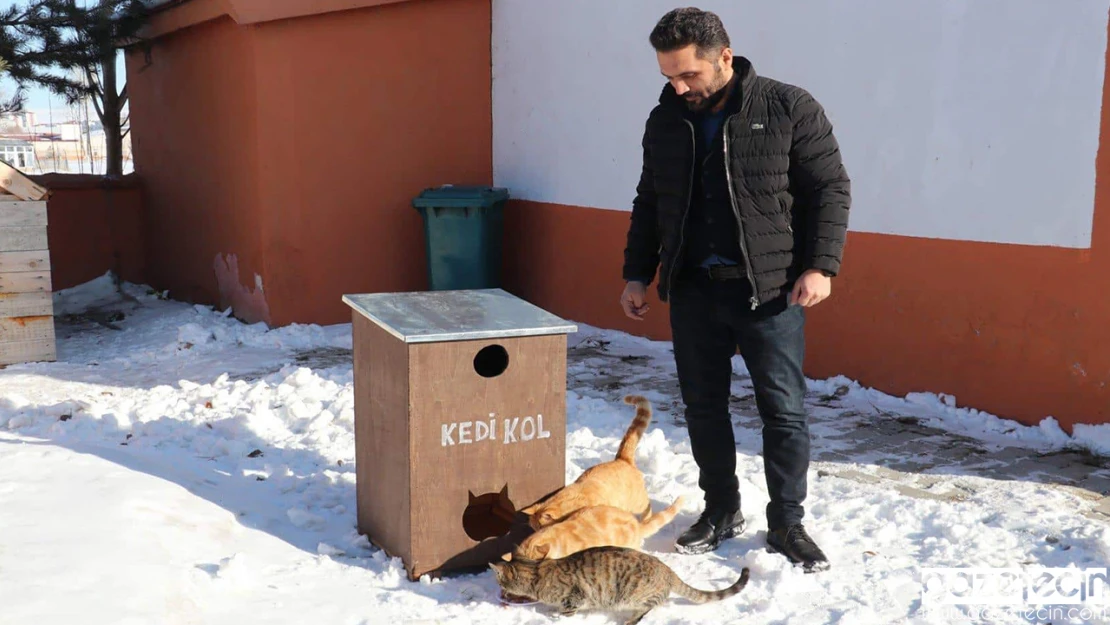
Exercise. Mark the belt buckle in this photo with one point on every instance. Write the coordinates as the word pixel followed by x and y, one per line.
pixel 713 271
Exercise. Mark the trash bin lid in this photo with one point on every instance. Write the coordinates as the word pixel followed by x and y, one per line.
pixel 460 196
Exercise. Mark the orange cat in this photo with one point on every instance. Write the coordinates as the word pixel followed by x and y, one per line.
pixel 595 526
pixel 616 483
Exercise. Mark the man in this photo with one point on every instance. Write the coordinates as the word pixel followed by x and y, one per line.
pixel 742 205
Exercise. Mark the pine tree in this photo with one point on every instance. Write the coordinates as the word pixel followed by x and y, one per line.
pixel 71 50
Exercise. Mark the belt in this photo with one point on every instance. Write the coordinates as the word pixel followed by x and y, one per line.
pixel 724 272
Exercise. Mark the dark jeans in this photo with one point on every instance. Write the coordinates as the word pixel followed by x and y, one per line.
pixel 709 321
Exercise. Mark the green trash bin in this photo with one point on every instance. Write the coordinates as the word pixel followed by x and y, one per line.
pixel 463 228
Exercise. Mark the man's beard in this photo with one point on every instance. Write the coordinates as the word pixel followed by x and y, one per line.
pixel 716 91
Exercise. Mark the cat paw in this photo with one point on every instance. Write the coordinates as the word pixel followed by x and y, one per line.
pixel 569 608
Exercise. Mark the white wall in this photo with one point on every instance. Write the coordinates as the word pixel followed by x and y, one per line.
pixel 958 119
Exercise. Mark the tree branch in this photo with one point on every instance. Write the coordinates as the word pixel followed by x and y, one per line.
pixel 96 90
pixel 99 110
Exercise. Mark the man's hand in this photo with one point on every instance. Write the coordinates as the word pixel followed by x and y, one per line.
pixel 811 288
pixel 632 300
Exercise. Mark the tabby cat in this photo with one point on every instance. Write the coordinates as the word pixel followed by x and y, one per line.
pixel 595 526
pixel 616 483
pixel 613 579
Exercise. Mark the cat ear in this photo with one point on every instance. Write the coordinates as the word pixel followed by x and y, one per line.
pixel 530 510
pixel 504 494
pixel 507 557
pixel 542 551
pixel 472 497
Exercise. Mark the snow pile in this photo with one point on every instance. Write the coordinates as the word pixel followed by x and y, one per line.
pixel 941 411
pixel 98 293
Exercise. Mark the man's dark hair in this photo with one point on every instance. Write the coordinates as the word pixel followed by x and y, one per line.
pixel 685 26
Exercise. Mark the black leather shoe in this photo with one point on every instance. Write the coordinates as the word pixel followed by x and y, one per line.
pixel 713 526
pixel 794 543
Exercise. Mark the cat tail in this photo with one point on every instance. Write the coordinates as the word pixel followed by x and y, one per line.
pixel 627 450
pixel 687 591
pixel 655 521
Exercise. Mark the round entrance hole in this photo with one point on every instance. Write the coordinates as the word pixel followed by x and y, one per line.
pixel 491 361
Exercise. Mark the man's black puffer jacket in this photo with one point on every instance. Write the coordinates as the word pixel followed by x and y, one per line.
pixel 788 185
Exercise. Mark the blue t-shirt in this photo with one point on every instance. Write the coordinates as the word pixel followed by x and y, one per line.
pixel 710 124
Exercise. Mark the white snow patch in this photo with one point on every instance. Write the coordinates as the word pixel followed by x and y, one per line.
pixel 96 293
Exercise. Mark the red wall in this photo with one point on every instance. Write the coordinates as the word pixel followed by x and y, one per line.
pixel 361 114
pixel 286 153
pixel 195 141
pixel 95 226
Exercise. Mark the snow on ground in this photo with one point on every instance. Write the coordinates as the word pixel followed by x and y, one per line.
pixel 178 466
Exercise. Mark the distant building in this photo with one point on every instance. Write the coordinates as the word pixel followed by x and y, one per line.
pixel 21 120
pixel 18 153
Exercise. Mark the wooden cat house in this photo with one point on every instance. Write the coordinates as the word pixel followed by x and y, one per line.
pixel 460 421
pixel 26 295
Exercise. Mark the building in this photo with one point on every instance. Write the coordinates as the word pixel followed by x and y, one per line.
pixel 18 153
pixel 981 217
pixel 18 121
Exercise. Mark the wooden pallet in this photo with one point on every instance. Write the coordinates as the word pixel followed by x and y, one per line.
pixel 26 297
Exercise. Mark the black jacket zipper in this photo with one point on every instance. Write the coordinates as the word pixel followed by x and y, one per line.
pixel 685 210
pixel 739 222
